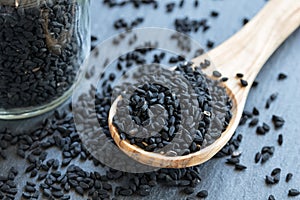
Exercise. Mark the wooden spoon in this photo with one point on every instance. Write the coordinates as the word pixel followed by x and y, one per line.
pixel 245 52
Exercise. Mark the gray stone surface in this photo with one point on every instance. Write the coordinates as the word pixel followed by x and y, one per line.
pixel 220 180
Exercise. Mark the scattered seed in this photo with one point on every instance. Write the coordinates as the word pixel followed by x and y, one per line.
pixel 266 127
pixel 282 76
pixel 245 21
pixel 170 7
pixel 254 84
pixel 288 177
pixel 257 157
pixel 293 192
pixel 269 180
pixel 196 3
pixel 255 111
pixel 214 13
pixel 278 121
pixel 280 139
pixel 260 130
pixel 240 167
pixel 232 161
pixel 202 194
pixel 254 122
pixel 271 197
pixel 181 3
pixel 210 44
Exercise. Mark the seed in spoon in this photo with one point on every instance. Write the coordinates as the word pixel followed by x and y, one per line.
pixel 239 75
pixel 244 83
pixel 157 130
pixel 217 74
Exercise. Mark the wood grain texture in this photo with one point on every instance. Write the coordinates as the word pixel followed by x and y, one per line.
pixel 246 51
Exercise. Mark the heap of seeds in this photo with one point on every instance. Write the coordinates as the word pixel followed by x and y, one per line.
pixel 193 113
pixel 40 52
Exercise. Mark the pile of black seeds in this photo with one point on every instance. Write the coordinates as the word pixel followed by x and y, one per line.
pixel 8 186
pixel 189 114
pixel 41 50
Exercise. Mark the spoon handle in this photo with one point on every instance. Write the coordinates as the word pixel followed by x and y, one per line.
pixel 248 50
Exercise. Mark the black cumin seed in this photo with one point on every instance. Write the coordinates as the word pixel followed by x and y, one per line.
pixel 254 122
pixel 260 130
pixel 288 177
pixel 214 13
pixel 240 167
pixel 276 171
pixel 271 197
pixel 58 194
pixel 170 7
pixel 265 157
pixel 267 106
pixel 254 84
pixel 94 38
pixel 269 180
pixel 244 83
pixel 224 79
pixel 245 21
pixel 196 3
pixel 268 149
pixel 278 121
pixel 243 120
pixel 29 189
pixel 239 138
pixel 232 161
pixel 210 44
pixel 274 96
pixel 266 127
pixel 126 192
pixel 181 3
pixel 239 75
pixel 277 178
pixel 255 111
pixel 280 139
pixel 79 190
pixel 217 74
pixel 25 195
pixel 281 76
pixel 293 192
pixel 202 194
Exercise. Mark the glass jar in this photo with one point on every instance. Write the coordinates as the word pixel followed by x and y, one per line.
pixel 43 43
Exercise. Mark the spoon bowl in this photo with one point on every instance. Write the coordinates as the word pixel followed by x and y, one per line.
pixel 245 52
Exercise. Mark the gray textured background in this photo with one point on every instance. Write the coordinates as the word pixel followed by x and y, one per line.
pixel 220 180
